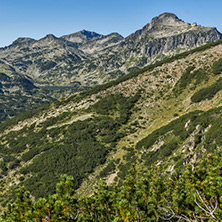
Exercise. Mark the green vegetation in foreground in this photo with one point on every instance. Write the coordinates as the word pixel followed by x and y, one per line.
pixel 194 195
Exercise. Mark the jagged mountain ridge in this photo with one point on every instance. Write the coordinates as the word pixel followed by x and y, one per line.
pixel 136 119
pixel 90 58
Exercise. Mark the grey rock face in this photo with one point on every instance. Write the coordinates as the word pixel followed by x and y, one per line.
pixel 91 58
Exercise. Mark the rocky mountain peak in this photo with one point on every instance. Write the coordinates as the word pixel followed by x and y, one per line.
pixel 89 34
pixel 23 42
pixel 49 37
pixel 166 19
pixel 81 36
pixel 168 24
pixel 115 34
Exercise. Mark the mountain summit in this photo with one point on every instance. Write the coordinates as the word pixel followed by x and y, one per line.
pixel 166 19
pixel 81 36
pixel 168 24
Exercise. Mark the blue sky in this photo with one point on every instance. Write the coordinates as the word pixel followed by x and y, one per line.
pixel 37 18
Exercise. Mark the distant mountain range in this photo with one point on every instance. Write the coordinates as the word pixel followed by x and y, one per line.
pixel 85 59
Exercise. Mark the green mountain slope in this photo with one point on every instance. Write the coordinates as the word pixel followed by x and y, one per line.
pixel 18 93
pixel 146 117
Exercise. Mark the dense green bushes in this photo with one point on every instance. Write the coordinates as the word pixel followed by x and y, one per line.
pixel 208 92
pixel 188 77
pixel 116 105
pixel 78 153
pixel 217 67
pixel 76 149
pixel 177 126
pixel 107 170
pixel 156 196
